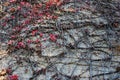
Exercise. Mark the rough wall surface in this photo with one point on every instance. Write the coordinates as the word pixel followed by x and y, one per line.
pixel 88 45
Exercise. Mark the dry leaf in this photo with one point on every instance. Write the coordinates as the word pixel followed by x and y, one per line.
pixel 3 78
pixel 57 12
pixel 3 52
pixel 3 72
pixel 0 8
pixel 12 9
pixel 118 69
pixel 117 48
pixel 3 15
pixel 6 4
pixel 69 10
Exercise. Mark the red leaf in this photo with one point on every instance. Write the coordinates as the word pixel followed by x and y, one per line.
pixel 53 37
pixel 53 2
pixel 12 1
pixel 41 34
pixel 21 44
pixel 34 32
pixel 36 41
pixel 10 42
pixel 22 3
pixel 29 41
pixel 13 77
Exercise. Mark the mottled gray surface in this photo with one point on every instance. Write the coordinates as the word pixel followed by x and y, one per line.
pixel 83 61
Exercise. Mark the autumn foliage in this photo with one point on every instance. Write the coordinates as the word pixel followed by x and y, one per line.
pixel 23 14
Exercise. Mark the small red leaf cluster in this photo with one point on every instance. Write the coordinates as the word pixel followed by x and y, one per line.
pixel 53 37
pixel 53 2
pixel 7 75
pixel 23 18
pixel 13 77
